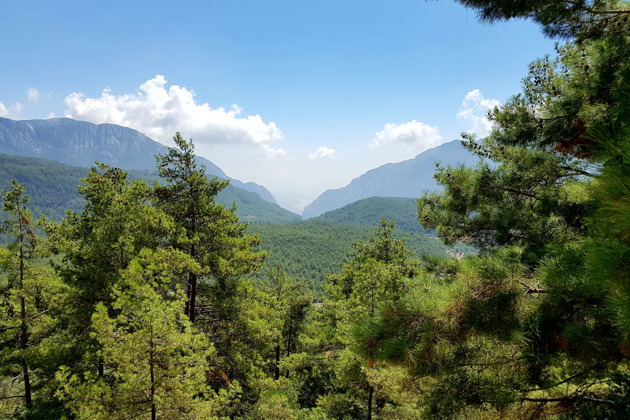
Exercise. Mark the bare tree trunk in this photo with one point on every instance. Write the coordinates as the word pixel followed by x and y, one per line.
pixel 192 284
pixel 23 344
pixel 151 367
pixel 193 297
pixel 23 330
pixel 370 397
pixel 277 362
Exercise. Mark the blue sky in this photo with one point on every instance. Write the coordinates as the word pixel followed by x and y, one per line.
pixel 299 96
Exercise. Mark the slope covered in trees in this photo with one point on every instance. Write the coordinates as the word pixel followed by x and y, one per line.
pixel 311 250
pixel 369 212
pixel 52 187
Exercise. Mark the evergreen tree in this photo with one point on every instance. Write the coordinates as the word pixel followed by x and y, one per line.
pixel 31 299
pixel 96 246
pixel 551 208
pixel 156 360
pixel 213 236
pixel 557 17
pixel 374 279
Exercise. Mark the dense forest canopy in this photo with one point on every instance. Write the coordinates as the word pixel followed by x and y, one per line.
pixel 149 301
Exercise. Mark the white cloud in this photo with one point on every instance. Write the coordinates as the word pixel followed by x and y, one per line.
pixel 33 95
pixel 51 115
pixel 159 112
pixel 413 136
pixel 273 152
pixel 475 109
pixel 14 111
pixel 322 153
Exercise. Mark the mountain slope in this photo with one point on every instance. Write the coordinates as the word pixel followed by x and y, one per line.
pixel 52 187
pixel 310 250
pixel 403 179
pixel 79 143
pixel 369 212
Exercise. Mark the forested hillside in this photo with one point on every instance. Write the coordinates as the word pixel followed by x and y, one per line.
pixel 156 302
pixel 52 187
pixel 311 250
pixel 369 212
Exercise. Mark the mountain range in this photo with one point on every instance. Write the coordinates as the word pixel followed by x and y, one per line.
pixel 409 178
pixel 80 143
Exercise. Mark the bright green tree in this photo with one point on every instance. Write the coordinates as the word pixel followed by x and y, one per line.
pixel 552 202
pixel 31 299
pixel 215 239
pixel 96 246
pixel 157 361
pixel 213 236
pixel 375 278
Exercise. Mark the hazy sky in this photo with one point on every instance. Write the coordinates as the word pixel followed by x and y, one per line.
pixel 299 96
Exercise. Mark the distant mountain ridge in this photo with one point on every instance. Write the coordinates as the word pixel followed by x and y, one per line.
pixel 80 143
pixel 409 178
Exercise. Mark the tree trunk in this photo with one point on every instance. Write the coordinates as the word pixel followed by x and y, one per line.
pixel 289 341
pixel 23 329
pixel 277 362
pixel 151 365
pixel 23 344
pixel 192 286
pixel 193 296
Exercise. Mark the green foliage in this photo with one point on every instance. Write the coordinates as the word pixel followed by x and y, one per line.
pixel 310 250
pixel 369 212
pixel 156 360
pixel 548 294
pixel 31 300
pixel 558 18
pixel 531 198
pixel 52 187
pixel 115 225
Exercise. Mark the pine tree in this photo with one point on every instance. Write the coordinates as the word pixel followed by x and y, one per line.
pixel 213 236
pixel 157 361
pixel 375 278
pixel 31 299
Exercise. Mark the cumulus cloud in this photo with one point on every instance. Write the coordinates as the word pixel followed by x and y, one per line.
pixel 273 152
pixel 322 153
pixel 33 95
pixel 474 110
pixel 14 111
pixel 414 136
pixel 159 111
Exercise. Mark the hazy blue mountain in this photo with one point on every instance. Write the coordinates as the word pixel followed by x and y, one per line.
pixel 409 178
pixel 79 143
pixel 52 187
pixel 369 212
